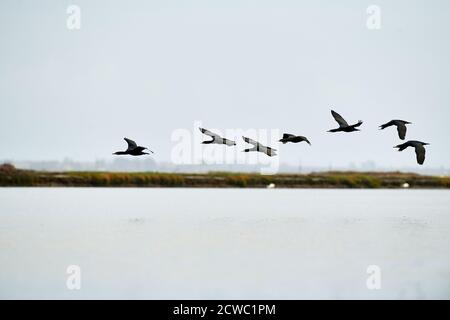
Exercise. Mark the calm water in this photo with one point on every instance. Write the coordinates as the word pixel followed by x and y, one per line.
pixel 233 244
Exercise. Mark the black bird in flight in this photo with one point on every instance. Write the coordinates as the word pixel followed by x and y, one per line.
pixel 259 147
pixel 293 138
pixel 418 145
pixel 343 125
pixel 401 127
pixel 216 138
pixel 133 149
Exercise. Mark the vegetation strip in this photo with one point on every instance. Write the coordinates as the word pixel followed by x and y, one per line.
pixel 11 177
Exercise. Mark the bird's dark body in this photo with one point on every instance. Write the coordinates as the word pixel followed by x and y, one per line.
pixel 394 123
pixel 418 146
pixel 139 151
pixel 343 125
pixel 133 149
pixel 297 139
pixel 131 153
pixel 401 127
pixel 294 139
pixel 347 129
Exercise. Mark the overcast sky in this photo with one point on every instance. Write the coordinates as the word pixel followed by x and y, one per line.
pixel 143 69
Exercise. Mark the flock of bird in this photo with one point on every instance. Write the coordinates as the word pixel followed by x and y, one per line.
pixel 135 150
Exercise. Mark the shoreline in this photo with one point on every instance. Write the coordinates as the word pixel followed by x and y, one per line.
pixel 12 177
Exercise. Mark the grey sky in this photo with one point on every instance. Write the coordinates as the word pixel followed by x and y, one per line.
pixel 142 69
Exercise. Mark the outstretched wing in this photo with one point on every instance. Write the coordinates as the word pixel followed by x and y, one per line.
pixel 339 119
pixel 253 142
pixel 420 154
pixel 401 129
pixel 131 144
pixel 209 133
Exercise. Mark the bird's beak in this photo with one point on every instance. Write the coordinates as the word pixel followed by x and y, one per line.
pixel 427 144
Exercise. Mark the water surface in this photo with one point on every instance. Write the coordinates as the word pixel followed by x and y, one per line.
pixel 224 243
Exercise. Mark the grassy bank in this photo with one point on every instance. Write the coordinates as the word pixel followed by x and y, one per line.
pixel 11 177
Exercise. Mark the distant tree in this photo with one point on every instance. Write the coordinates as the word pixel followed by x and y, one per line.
pixel 7 168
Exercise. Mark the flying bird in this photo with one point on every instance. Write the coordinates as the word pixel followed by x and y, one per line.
pixel 343 125
pixel 259 147
pixel 133 149
pixel 401 127
pixel 293 138
pixel 216 139
pixel 418 145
